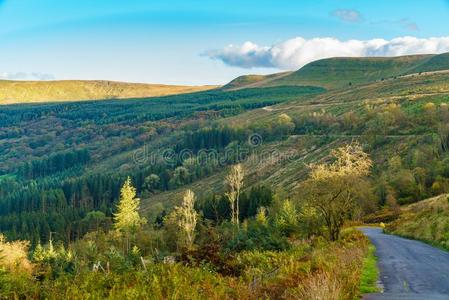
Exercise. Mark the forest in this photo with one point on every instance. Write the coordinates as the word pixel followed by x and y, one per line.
pixel 50 175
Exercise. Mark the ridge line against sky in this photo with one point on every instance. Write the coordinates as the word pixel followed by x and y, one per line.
pixel 297 52
pixel 184 42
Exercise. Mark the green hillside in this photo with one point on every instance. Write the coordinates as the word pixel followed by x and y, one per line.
pixel 433 63
pixel 345 72
pixel 75 90
pixel 248 81
pixel 386 116
pixel 63 166
pixel 389 117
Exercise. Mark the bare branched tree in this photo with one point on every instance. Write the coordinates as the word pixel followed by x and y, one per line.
pixel 234 181
pixel 184 219
pixel 188 217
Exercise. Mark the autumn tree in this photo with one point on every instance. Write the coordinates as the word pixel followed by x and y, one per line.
pixel 234 182
pixel 14 256
pixel 334 188
pixel 127 219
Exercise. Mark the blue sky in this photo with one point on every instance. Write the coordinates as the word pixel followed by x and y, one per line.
pixel 187 42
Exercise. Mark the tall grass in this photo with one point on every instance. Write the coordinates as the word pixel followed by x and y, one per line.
pixel 309 270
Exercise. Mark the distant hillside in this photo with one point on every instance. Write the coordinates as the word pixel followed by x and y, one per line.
pixel 344 72
pixel 74 90
pixel 248 81
pixel 433 63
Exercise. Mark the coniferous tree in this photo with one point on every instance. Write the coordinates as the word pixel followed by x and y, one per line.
pixel 127 219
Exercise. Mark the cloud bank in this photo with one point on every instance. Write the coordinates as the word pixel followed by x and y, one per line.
pixel 26 76
pixel 295 53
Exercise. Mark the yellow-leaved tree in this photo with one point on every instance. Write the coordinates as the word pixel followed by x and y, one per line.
pixel 334 189
pixel 127 219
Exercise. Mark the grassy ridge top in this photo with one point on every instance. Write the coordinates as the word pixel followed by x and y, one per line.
pixel 347 71
pixel 12 92
pixel 248 81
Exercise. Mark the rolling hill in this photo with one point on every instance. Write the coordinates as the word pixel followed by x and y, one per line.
pixel 248 81
pixel 344 72
pixel 400 98
pixel 12 92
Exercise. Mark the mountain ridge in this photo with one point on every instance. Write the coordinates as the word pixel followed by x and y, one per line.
pixel 339 72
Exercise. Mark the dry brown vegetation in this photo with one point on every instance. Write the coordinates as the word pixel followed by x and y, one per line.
pixel 12 92
pixel 14 256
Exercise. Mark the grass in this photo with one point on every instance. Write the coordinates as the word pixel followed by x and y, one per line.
pixel 13 92
pixel 370 272
pixel 318 270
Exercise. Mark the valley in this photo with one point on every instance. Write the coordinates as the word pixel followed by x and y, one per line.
pixel 375 128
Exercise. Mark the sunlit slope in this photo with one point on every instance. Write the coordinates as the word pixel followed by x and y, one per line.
pixel 75 90
pixel 249 81
pixel 283 164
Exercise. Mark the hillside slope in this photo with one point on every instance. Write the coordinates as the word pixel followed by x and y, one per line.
pixel 253 81
pixel 401 122
pixel 12 92
pixel 320 128
pixel 348 71
pixel 427 220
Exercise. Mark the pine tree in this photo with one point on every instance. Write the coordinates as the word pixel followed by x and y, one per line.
pixel 127 219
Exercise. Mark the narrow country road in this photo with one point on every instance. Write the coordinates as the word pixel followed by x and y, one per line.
pixel 409 269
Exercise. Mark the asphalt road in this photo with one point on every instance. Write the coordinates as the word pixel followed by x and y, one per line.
pixel 409 269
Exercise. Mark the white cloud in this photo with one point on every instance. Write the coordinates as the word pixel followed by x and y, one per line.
pixel 26 76
pixel 348 15
pixel 295 53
